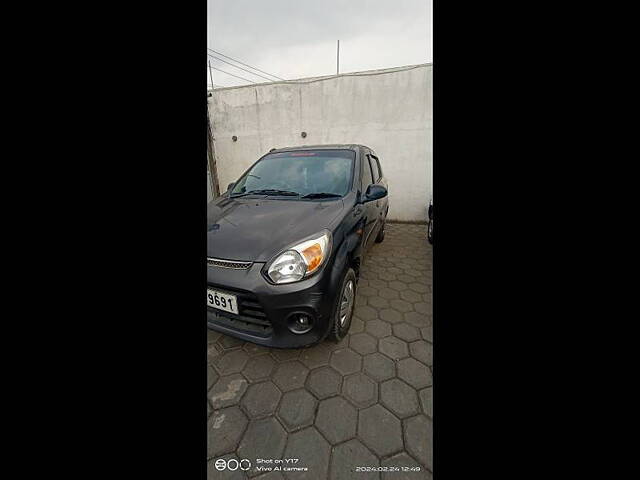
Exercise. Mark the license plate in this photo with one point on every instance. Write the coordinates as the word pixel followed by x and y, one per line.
pixel 222 301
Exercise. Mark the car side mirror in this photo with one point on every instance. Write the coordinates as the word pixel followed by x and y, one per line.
pixel 231 185
pixel 375 192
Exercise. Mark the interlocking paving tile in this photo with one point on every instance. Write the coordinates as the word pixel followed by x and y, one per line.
pixel 389 293
pixel 410 296
pixel 418 287
pixel 414 373
pixel 360 389
pixel 378 367
pixel 390 315
pixel 426 400
pixel 231 362
pixel 393 348
pixel 418 438
pixel 363 343
pixel 427 333
pixel 402 306
pixel 261 399
pixel 297 409
pixel 227 391
pixel 410 273
pixel 312 450
pixel 290 375
pixel 224 430
pixel 417 319
pixel 422 307
pixel 378 302
pixel 336 419
pixel 324 382
pixel 399 397
pixel 284 355
pixel 380 430
pixel 379 284
pixel 213 336
pixel 366 312
pixel 213 352
pixel 346 361
pixel 406 332
pixel 422 351
pixel 403 277
pixel 367 291
pixel 333 345
pixel 263 439
pixel 212 377
pixel 227 342
pixel 378 328
pixel 253 349
pixel 315 356
pixel 387 276
pixel 416 472
pixel 349 455
pixel 357 325
pixel 259 367
pixel 398 285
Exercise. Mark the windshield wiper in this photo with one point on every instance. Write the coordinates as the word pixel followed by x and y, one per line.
pixel 267 192
pixel 321 195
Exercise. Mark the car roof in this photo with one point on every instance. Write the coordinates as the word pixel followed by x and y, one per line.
pixel 337 146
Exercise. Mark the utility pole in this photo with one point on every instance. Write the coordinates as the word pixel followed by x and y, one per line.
pixel 211 157
pixel 338 60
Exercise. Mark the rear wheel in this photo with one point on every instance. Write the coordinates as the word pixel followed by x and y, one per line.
pixel 344 306
pixel 380 236
pixel 430 232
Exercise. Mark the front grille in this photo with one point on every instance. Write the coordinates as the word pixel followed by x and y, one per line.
pixel 217 262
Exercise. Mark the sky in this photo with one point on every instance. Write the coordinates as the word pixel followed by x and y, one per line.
pixel 297 38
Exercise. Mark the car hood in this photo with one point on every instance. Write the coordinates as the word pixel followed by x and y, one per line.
pixel 256 229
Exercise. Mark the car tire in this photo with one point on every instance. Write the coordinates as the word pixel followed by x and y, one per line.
pixel 430 232
pixel 380 236
pixel 341 319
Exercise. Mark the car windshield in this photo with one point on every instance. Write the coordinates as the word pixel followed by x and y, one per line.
pixel 306 172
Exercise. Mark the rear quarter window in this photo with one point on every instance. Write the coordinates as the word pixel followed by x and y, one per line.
pixel 374 168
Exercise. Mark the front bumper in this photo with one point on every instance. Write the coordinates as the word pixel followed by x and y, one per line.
pixel 266 309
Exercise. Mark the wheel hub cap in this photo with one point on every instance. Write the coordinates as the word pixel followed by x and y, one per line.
pixel 347 301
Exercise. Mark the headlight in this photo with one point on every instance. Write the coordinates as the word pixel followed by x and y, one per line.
pixel 301 260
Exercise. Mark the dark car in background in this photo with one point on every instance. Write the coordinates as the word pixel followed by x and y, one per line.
pixel 286 241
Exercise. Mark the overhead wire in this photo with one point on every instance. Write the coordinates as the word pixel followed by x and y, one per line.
pixel 244 69
pixel 237 76
pixel 246 65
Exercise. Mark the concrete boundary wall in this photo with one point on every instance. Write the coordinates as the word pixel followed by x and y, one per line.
pixel 388 110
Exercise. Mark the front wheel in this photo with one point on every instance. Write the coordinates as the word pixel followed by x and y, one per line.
pixel 343 309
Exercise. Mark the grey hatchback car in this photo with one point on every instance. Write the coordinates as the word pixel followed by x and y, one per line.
pixel 286 241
